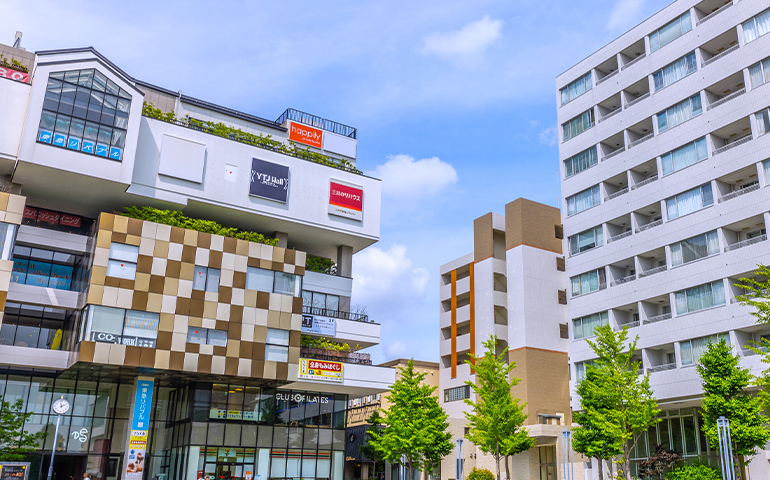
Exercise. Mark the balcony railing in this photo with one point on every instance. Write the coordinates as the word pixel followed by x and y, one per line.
pixel 714 13
pixel 738 193
pixel 662 368
pixel 325 312
pixel 335 356
pixel 720 55
pixel 657 318
pixel 650 225
pixel 746 243
pixel 644 182
pixel 621 326
pixel 653 271
pixel 641 140
pixel 637 99
pixel 613 153
pixel 726 99
pixel 633 61
pixel 626 279
pixel 318 122
pixel 619 236
pixel 607 77
pixel 734 144
pixel 611 114
pixel 620 192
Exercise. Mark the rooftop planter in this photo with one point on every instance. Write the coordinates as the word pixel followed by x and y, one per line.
pixel 236 134
pixel 13 64
pixel 335 356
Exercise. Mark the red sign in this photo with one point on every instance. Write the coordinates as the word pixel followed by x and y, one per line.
pixel 30 212
pixel 307 135
pixel 14 75
pixel 70 220
pixel 346 200
pixel 49 217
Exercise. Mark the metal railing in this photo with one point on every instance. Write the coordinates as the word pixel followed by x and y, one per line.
pixel 650 225
pixel 335 356
pixel 746 243
pixel 620 192
pixel 316 121
pixel 662 368
pixel 626 279
pixel 726 99
pixel 738 193
pixel 658 318
pixel 644 182
pixel 614 153
pixel 734 144
pixel 620 326
pixel 714 13
pixel 638 99
pixel 641 140
pixel 611 114
pixel 619 236
pixel 607 77
pixel 325 312
pixel 653 271
pixel 719 55
pixel 633 61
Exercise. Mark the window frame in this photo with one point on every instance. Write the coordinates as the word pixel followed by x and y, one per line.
pixel 667 112
pixel 661 72
pixel 753 21
pixel 677 199
pixel 655 35
pixel 691 289
pixel 129 260
pixel 254 273
pixel 209 285
pixel 456 394
pixel 568 125
pixel 681 246
pixel 208 340
pixel 595 200
pixel 670 154
pixel 587 87
pixel 575 239
pixel 604 319
pixel 277 346
pixel 601 279
pixel 569 164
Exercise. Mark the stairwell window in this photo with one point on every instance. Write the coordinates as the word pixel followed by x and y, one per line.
pixel 674 72
pixel 586 240
pixel 578 125
pixel 576 88
pixel 756 27
pixel 763 122
pixel 588 282
pixel 691 350
pixel 457 393
pixel 684 156
pixel 584 327
pixel 583 200
pixel 689 201
pixel 695 248
pixel 671 31
pixel 760 73
pixel 582 161
pixel 700 297
pixel 678 114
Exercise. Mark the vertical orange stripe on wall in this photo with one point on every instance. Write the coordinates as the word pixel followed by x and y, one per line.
pixel 454 323
pixel 473 316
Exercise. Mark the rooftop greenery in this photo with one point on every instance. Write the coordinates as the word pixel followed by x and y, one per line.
pixel 13 64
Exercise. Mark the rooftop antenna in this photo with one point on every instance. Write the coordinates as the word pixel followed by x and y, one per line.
pixel 17 40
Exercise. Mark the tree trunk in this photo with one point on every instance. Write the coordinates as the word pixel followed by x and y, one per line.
pixel 507 470
pixel 601 474
pixel 497 460
pixel 742 467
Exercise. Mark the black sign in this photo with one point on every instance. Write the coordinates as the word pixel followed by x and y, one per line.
pixel 14 471
pixel 269 180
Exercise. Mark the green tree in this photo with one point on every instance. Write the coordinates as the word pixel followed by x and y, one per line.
pixel 496 421
pixel 758 296
pixel 725 394
pixel 620 406
pixel 15 443
pixel 415 426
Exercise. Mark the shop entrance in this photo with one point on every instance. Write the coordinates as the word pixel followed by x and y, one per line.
pixel 65 467
pixel 229 471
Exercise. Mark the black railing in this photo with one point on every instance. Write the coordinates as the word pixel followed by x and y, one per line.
pixel 335 356
pixel 318 122
pixel 325 312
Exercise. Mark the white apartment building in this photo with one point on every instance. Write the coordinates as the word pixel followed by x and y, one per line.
pixel 664 163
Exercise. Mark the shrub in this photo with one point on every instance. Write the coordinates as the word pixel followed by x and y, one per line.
pixel 320 264
pixel 321 342
pixel 480 474
pixel 696 471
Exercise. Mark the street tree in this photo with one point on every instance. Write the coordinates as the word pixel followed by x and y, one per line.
pixel 757 296
pixel 725 385
pixel 414 428
pixel 15 443
pixel 496 422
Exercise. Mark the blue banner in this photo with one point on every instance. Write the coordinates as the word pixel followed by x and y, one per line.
pixel 142 405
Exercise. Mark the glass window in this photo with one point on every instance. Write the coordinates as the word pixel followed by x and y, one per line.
pixel 582 161
pixel 206 278
pixel 691 350
pixel 689 201
pixel 684 156
pixel 671 31
pixel 763 122
pixel 576 88
pixel 74 97
pixel 584 327
pixel 197 335
pixel 277 345
pixel 457 393
pixel 7 240
pixel 43 268
pixel 586 240
pixel 760 73
pixel 142 325
pixel 674 72
pixel 578 125
pixel 206 336
pixel 583 200
pixel 588 282
pixel 700 297
pixel 106 320
pixel 259 279
pixel 695 248
pixel 122 262
pixel 756 27
pixel 288 284
pixel 679 113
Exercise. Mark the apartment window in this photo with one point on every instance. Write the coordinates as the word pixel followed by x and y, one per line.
pixel 7 240
pixel 206 278
pixel 689 201
pixel 586 240
pixel 684 156
pixel 760 73
pixel 679 113
pixel 578 125
pixel 576 88
pixel 582 161
pixel 700 297
pixel 766 165
pixel 122 262
pixel 320 302
pixel 585 327
pixel 275 282
pixel 206 336
pixel 763 122
pixel 695 248
pixel 757 26
pixel 277 345
pixel 583 200
pixel 580 370
pixel 671 31
pixel 588 282
pixel 674 72
pixel 691 350
pixel 85 111
pixel 457 393
pixel 43 268
pixel 120 326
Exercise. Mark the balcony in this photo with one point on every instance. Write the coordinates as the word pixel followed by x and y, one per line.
pixel 743 191
pixel 658 318
pixel 637 99
pixel 720 55
pixel 619 236
pixel 746 243
pixel 633 61
pixel 644 182
pixel 653 271
pixel 621 326
pixel 324 312
pixel 621 281
pixel 613 154
pixel 713 14
pixel 662 368
pixel 650 225
pixel 641 140
pixel 335 356
pixel 620 192
pixel 726 99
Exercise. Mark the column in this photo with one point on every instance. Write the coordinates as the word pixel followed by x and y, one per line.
pixel 345 261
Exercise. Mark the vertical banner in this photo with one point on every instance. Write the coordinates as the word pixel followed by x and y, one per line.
pixel 136 452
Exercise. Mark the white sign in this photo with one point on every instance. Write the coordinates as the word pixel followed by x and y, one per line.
pixel 318 325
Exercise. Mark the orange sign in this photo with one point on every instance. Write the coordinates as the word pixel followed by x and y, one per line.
pixel 307 135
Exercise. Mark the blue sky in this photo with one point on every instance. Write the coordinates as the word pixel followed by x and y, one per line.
pixel 454 102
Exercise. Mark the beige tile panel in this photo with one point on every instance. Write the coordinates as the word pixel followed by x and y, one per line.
pixel 226 277
pixel 104 238
pixel 14 218
pixel 190 362
pixel 149 230
pixel 120 224
pixel 217 243
pixel 163 233
pixel 270 370
pixel 218 365
pixel 101 256
pixel 162 359
pixel 260 317
pixel 4 201
pixel 223 311
pixel 167 322
pixel 117 354
pixel 190 238
pixel 15 206
pixel 125 298
pixel 244 367
pixel 175 251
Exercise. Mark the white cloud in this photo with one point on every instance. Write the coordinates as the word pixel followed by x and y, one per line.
pixel 625 13
pixel 406 178
pixel 464 44
pixel 548 136
pixel 395 350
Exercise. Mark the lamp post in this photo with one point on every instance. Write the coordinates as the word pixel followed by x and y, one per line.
pixel 460 460
pixel 60 406
pixel 725 448
pixel 566 454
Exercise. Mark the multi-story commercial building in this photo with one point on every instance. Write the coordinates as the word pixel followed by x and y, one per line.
pixel 178 348
pixel 511 286
pixel 665 166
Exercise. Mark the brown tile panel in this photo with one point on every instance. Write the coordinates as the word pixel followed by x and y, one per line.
pixel 204 363
pixel 231 366
pixel 230 245
pixel 204 240
pixel 144 264
pixel 215 259
pixel 177 235
pixel 544 385
pixel 533 224
pixel 296 306
pixel 263 300
pixel 282 371
pixel 139 301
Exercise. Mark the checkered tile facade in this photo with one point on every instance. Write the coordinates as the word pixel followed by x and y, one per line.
pixel 11 211
pixel 163 284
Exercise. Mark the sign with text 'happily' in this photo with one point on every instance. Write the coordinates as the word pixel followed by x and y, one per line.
pixel 346 200
pixel 269 180
pixel 306 135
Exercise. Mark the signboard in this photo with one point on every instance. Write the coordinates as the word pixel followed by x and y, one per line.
pixel 346 200
pixel 222 414
pixel 122 339
pixel 14 75
pixel 321 370
pixel 306 135
pixel 14 471
pixel 269 180
pixel 140 424
pixel 318 325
